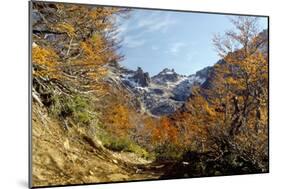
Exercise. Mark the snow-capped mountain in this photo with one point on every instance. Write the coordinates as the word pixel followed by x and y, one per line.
pixel 161 94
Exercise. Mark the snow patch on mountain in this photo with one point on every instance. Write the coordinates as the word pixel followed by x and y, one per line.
pixel 161 94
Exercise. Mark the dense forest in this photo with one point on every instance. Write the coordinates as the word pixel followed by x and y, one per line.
pixel 88 128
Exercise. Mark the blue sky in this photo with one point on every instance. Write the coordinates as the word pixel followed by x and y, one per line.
pixel 154 40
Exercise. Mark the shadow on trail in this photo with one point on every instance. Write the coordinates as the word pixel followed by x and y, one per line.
pixel 195 164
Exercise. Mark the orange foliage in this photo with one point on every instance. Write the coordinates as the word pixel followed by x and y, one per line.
pixel 45 62
pixel 82 41
pixel 165 132
pixel 118 120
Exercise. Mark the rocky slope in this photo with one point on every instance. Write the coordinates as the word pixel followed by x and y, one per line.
pixel 76 156
pixel 161 94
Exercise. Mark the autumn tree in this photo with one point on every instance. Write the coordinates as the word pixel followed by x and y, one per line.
pixel 119 120
pixel 240 92
pixel 227 116
pixel 245 72
pixel 71 46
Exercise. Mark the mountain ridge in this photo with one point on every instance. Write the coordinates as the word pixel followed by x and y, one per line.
pixel 161 94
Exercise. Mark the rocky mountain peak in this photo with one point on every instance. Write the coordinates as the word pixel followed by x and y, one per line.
pixel 166 75
pixel 168 71
pixel 159 95
pixel 141 78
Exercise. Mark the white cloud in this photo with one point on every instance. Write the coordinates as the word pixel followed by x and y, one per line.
pixel 133 42
pixel 176 47
pixel 133 32
pixel 155 48
pixel 155 22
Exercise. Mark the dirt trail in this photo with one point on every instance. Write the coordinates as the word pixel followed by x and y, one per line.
pixel 71 157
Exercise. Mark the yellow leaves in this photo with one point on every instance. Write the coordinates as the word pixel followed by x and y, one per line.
pixel 87 49
pixel 95 55
pixel 43 56
pixel 45 61
pixel 92 60
pixel 97 40
pixel 255 66
pixel 81 37
pixel 100 16
pixel 67 28
pixel 234 84
pixel 92 54
pixel 210 111
pixel 120 112
pixel 231 81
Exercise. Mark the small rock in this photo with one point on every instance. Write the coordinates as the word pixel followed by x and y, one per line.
pixel 115 161
pixel 66 144
pixel 34 44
